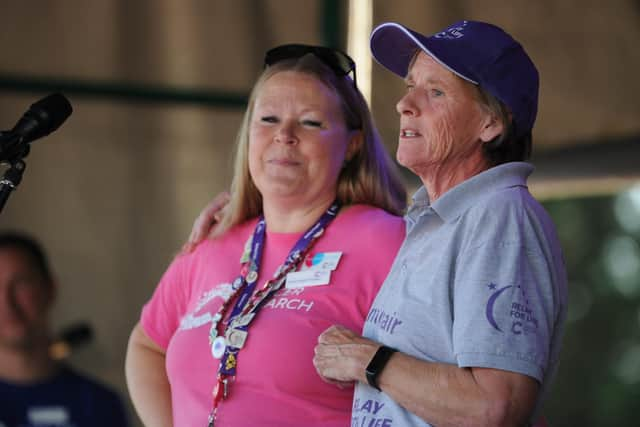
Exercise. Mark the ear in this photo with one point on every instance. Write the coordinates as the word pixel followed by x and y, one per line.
pixel 491 128
pixel 355 145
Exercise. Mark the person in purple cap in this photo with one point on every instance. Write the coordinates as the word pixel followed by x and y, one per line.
pixel 467 327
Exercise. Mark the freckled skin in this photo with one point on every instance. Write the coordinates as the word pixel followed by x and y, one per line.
pixel 298 139
pixel 446 123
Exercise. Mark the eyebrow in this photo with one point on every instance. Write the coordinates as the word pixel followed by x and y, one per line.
pixel 430 80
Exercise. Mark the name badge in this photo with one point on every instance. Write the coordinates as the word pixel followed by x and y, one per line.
pixel 322 261
pixel 301 279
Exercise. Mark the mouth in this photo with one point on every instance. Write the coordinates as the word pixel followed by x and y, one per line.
pixel 409 133
pixel 283 162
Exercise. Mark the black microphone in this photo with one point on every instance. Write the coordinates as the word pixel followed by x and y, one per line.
pixel 42 118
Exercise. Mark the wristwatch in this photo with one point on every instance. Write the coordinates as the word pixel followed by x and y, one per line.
pixel 377 364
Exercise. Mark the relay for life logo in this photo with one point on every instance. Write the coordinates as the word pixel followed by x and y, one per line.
pixel 508 310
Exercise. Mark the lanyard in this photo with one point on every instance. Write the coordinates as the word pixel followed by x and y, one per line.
pixel 227 345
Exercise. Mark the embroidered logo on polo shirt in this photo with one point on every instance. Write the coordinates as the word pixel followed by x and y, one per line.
pixel 383 320
pixel 508 310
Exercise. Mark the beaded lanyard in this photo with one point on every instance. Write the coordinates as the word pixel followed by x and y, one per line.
pixel 226 346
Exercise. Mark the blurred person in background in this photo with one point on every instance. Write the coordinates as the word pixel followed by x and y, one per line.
pixel 228 335
pixel 35 389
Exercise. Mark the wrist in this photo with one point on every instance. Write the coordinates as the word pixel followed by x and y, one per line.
pixel 377 364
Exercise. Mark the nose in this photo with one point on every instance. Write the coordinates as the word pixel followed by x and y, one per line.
pixel 286 133
pixel 406 105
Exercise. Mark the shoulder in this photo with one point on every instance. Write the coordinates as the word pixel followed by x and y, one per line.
pixel 498 193
pixel 232 239
pixel 510 217
pixel 512 204
pixel 359 225
pixel 369 217
pixel 180 279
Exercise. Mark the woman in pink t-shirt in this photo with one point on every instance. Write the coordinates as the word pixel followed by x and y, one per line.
pixel 227 338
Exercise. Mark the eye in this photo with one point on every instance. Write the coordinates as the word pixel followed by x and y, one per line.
pixel 269 119
pixel 437 92
pixel 312 123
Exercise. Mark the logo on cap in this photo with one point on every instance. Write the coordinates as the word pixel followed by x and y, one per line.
pixel 454 32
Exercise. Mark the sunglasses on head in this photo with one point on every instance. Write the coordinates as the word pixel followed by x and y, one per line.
pixel 339 62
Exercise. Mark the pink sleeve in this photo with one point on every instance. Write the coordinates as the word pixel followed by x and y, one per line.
pixel 162 313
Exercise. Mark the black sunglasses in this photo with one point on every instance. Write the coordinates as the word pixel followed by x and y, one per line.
pixel 339 62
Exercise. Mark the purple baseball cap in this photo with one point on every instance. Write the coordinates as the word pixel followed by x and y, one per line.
pixel 480 53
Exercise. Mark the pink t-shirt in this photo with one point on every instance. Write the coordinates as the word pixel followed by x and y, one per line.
pixel 276 383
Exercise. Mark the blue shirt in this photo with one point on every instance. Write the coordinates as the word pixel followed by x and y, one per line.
pixel 66 400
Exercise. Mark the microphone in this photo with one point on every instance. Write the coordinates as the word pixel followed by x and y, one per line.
pixel 42 118
pixel 69 339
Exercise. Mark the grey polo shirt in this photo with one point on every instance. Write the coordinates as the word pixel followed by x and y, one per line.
pixel 478 282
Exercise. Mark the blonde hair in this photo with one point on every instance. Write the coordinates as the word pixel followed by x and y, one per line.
pixel 370 177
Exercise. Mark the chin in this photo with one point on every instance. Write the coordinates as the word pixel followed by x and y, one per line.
pixel 404 159
pixel 281 191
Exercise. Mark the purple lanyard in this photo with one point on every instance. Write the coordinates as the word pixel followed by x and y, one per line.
pixel 249 304
pixel 246 307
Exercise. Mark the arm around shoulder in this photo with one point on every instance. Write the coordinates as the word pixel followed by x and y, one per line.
pixel 147 380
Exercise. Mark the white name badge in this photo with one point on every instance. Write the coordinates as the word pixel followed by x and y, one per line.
pixel 301 279
pixel 322 261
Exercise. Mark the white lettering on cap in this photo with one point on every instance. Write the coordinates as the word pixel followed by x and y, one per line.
pixel 452 33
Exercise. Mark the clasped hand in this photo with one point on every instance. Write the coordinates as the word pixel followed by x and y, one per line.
pixel 341 356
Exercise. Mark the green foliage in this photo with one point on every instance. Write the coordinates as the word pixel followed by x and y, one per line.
pixel 598 381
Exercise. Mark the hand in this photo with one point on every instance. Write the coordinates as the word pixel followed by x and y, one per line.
pixel 342 356
pixel 206 221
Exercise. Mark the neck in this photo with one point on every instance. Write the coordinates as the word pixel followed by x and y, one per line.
pixel 25 365
pixel 441 178
pixel 285 218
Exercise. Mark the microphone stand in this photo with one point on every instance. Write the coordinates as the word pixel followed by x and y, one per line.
pixel 13 175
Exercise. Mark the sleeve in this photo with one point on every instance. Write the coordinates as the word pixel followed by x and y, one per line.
pixel 503 307
pixel 162 313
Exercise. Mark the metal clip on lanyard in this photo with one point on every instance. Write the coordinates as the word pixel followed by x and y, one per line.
pixel 220 392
